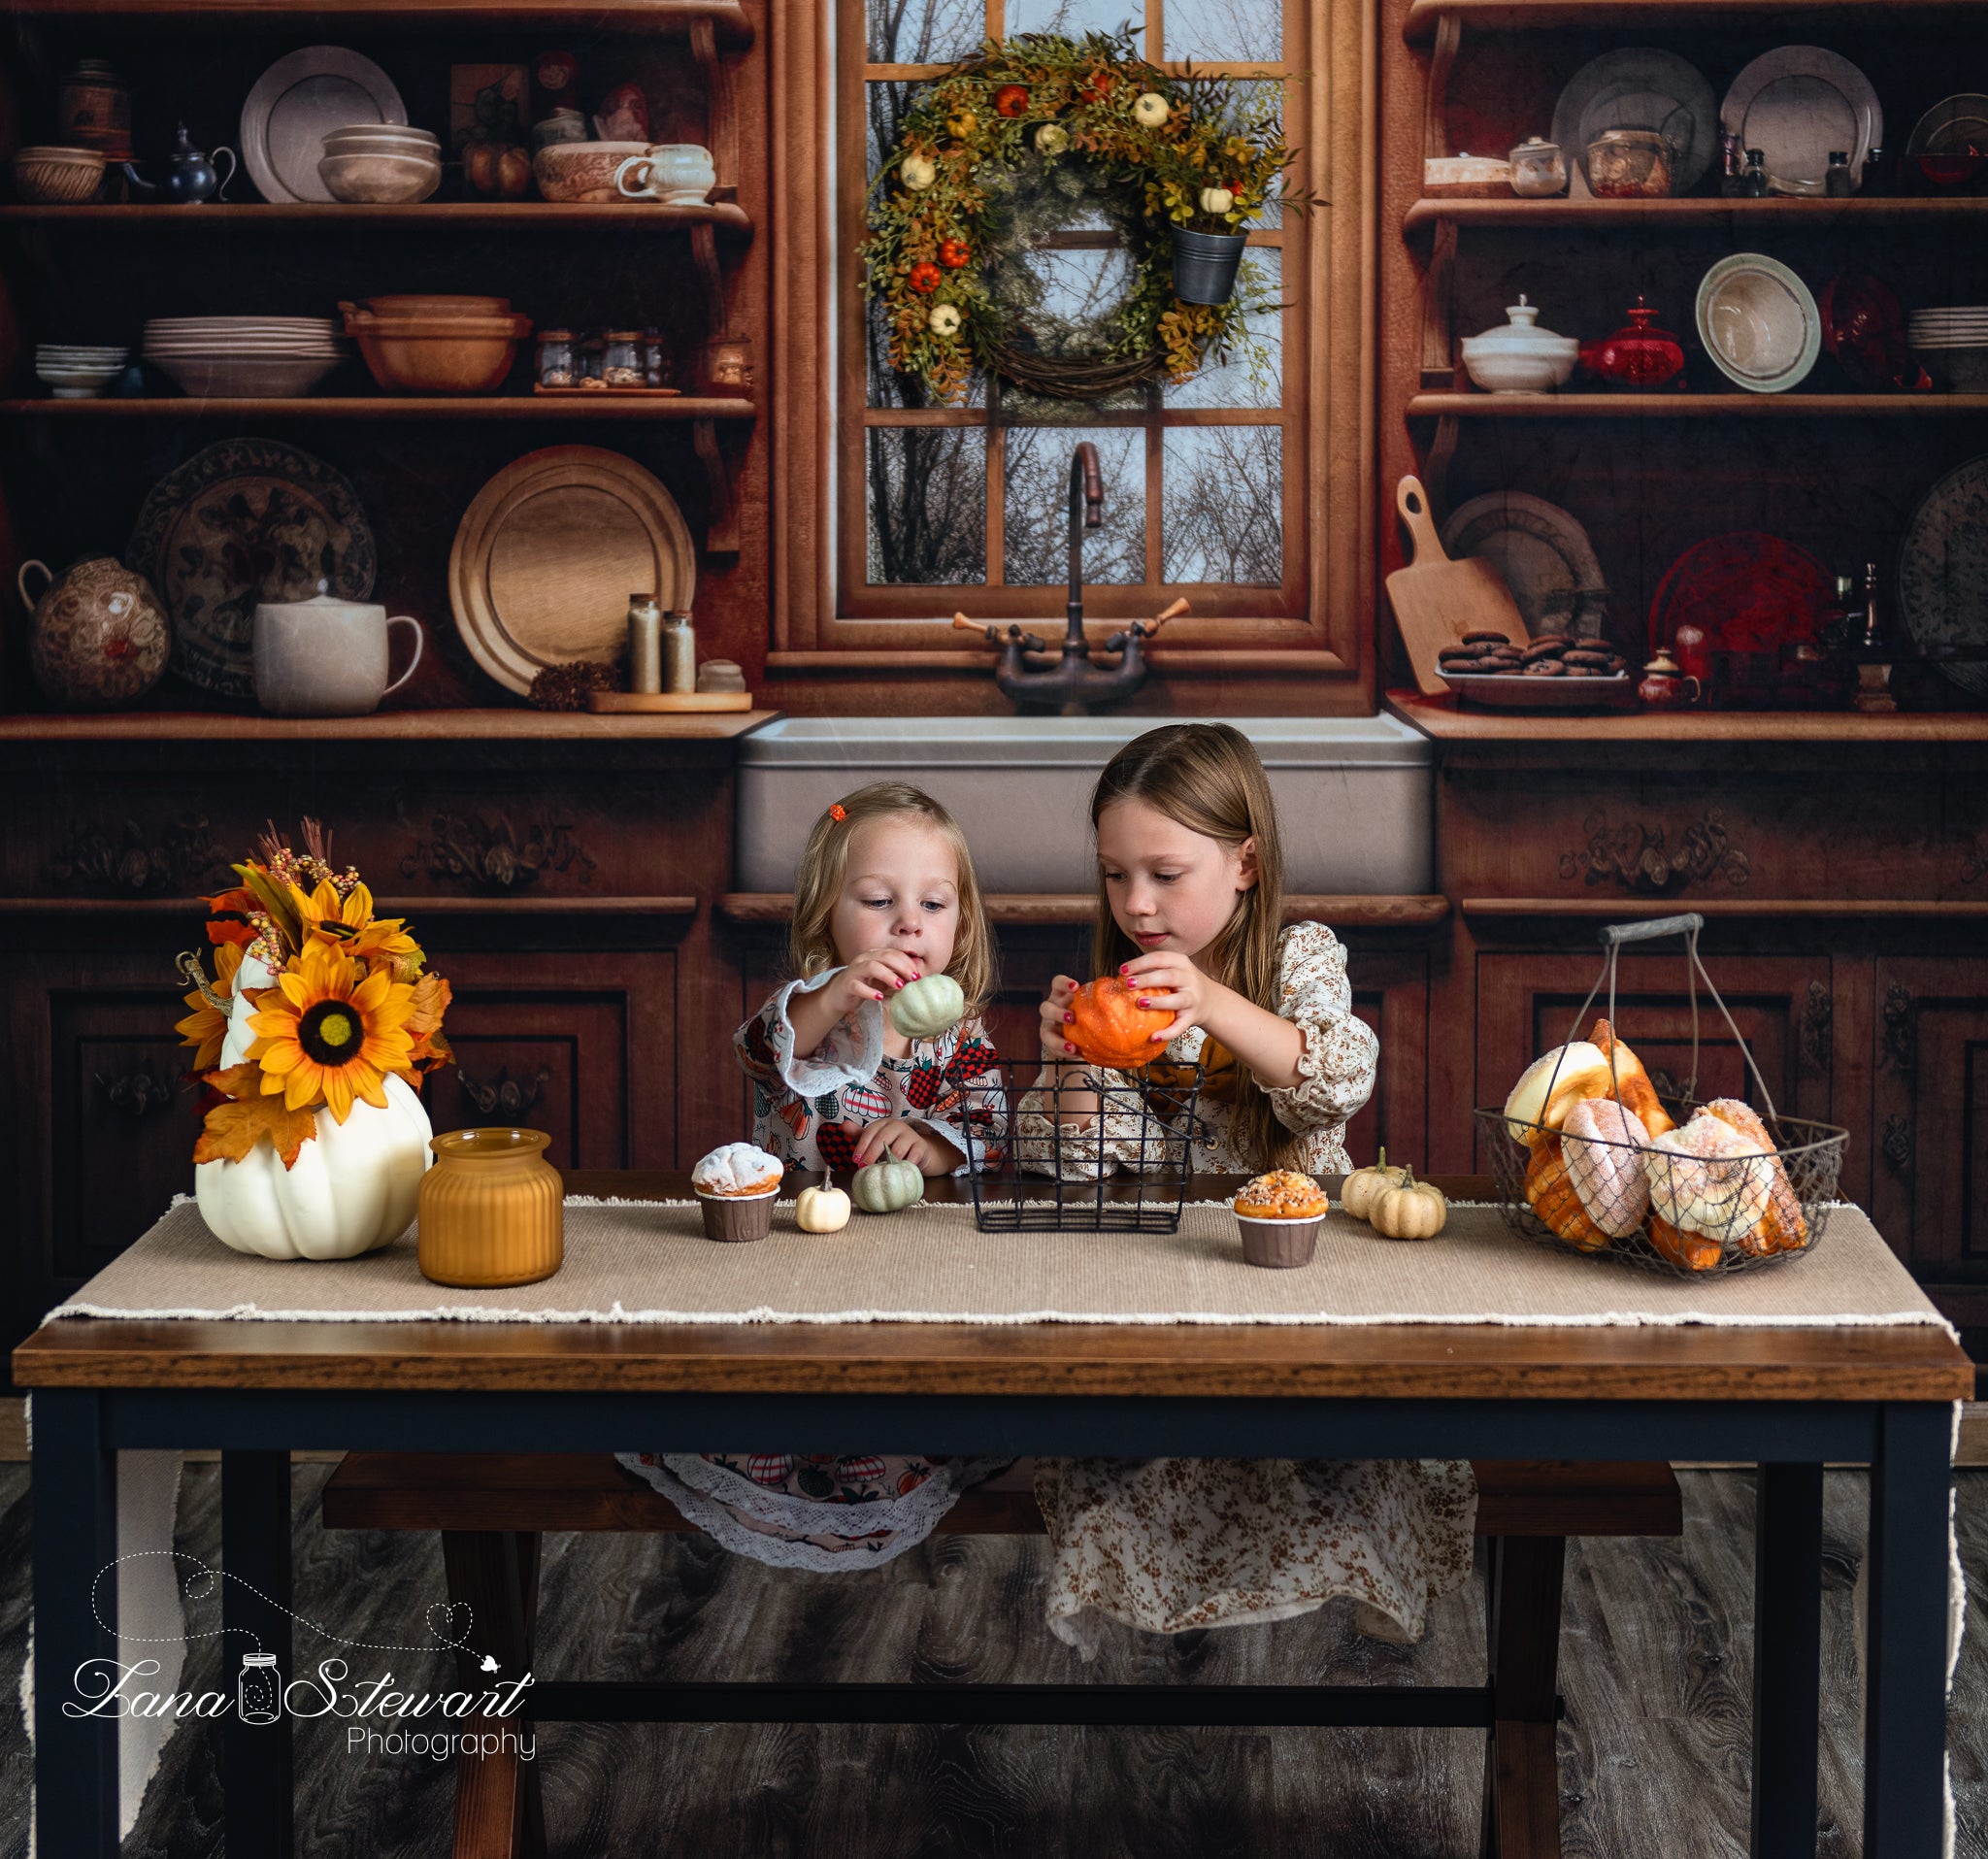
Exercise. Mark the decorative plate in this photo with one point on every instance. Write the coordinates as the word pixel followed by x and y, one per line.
pixel 245 520
pixel 1517 691
pixel 1795 105
pixel 1864 330
pixel 1758 322
pixel 1944 570
pixel 300 100
pixel 1745 591
pixel 1640 87
pixel 1544 554
pixel 546 556
pixel 1954 125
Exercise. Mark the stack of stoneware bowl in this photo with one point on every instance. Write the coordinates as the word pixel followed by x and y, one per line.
pixel 1952 341
pixel 381 164
pixel 437 345
pixel 244 357
pixel 72 372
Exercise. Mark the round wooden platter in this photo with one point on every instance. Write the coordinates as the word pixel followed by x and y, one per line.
pixel 612 702
pixel 548 552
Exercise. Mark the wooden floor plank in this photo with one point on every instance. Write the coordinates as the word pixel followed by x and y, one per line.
pixel 1655 1662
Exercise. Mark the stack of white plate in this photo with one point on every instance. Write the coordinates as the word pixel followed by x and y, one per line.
pixel 244 357
pixel 71 371
pixel 1952 340
pixel 381 164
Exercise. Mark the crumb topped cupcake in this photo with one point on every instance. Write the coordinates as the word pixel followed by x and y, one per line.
pixel 1279 1215
pixel 735 1186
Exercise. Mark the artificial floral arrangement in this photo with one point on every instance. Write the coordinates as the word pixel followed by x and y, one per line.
pixel 313 1033
pixel 1201 155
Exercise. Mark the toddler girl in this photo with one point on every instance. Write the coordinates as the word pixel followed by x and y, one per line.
pixel 885 893
pixel 1190 912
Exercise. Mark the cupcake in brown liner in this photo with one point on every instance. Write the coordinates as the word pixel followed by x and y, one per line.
pixel 736 1186
pixel 1279 1215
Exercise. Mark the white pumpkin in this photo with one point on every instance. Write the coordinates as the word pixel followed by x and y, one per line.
pixel 352 1187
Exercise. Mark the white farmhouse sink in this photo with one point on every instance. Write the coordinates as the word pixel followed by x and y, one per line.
pixel 1354 794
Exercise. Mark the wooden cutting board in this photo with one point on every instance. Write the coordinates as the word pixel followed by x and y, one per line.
pixel 1436 601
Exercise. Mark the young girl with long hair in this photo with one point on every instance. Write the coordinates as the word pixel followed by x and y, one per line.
pixel 1190 914
pixel 885 894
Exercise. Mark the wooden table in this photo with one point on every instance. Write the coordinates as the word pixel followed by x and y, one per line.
pixel 1788 1400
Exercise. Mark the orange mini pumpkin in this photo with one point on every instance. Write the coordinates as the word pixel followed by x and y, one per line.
pixel 1108 1027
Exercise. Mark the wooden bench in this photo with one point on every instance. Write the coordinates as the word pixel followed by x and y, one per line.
pixel 492 1509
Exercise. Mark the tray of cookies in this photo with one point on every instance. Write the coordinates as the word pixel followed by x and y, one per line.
pixel 1556 671
pixel 1588 1156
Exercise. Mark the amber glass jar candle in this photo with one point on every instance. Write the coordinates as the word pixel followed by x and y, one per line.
pixel 491 1209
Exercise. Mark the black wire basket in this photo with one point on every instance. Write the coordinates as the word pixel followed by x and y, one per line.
pixel 1121 1163
pixel 1756 1189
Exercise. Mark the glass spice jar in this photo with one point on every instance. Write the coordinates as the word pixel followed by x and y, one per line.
pixel 589 360
pixel 555 358
pixel 621 363
pixel 655 358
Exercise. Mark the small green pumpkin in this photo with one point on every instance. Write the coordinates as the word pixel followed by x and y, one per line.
pixel 924 1009
pixel 888 1185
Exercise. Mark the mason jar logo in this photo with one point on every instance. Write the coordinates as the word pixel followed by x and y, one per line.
pixel 257 1690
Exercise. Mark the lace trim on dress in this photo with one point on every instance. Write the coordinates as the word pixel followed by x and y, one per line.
pixel 835 1063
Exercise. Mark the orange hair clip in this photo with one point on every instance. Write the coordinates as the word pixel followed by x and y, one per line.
pixel 837 812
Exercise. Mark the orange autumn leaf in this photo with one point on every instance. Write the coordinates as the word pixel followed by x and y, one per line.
pixel 234 1128
pixel 432 995
pixel 237 1081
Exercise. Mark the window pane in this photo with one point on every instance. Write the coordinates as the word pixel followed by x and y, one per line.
pixel 1207 30
pixel 1073 18
pixel 1222 505
pixel 923 31
pixel 885 106
pixel 1253 373
pixel 927 497
pixel 1037 508
pixel 888 388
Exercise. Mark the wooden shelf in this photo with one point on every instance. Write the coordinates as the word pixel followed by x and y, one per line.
pixel 1658 215
pixel 1737 404
pixel 1078 908
pixel 394 725
pixel 528 903
pixel 1445 721
pixel 610 407
pixel 575 18
pixel 1648 16
pixel 505 216
pixel 1803 909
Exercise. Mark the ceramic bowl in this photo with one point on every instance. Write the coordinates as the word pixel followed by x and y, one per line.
pixel 437 354
pixel 1519 357
pixel 1961 367
pixel 244 376
pixel 380 179
pixel 57 176
pixel 415 304
pixel 582 173
pixel 78 384
pixel 1758 322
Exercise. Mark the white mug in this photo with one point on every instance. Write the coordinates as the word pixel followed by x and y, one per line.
pixel 676 173
pixel 326 657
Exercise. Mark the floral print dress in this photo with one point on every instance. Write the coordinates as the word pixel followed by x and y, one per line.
pixel 836 1511
pixel 1167 1545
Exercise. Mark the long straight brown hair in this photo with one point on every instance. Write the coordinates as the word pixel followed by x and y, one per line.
pixel 1207 778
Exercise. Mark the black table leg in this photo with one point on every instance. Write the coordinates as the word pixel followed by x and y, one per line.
pixel 1787 1659
pixel 1904 1720
pixel 75 1497
pixel 255 1617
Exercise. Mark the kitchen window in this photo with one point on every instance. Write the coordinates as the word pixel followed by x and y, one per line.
pixel 1244 487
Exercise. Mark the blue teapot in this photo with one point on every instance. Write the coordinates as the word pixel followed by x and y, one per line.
pixel 189 174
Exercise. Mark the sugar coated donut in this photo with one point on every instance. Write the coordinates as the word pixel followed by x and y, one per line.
pixel 1783 1229
pixel 1708 1179
pixel 1602 1143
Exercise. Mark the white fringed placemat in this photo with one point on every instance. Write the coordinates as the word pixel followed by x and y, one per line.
pixel 649 1262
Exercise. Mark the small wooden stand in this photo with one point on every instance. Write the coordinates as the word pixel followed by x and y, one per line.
pixel 621 702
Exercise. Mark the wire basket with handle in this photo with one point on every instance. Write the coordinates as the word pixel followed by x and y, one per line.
pixel 1123 1168
pixel 1597 1162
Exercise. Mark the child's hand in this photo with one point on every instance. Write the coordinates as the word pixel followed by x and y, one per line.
pixel 1167 981
pixel 874 976
pixel 893 1135
pixel 1056 1018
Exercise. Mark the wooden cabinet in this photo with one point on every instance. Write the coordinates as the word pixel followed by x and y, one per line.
pixel 1930 1121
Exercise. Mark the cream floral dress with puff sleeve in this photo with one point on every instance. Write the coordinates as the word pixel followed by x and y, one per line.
pixel 1168 1544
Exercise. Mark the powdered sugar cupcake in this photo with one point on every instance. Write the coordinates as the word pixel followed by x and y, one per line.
pixel 735 1186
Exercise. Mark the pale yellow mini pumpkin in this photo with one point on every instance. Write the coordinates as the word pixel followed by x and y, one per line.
pixel 822 1209
pixel 1365 1187
pixel 1414 1210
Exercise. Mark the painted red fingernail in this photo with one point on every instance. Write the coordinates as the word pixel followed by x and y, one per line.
pixel 1068 1048
pixel 1143 1002
pixel 1067 1018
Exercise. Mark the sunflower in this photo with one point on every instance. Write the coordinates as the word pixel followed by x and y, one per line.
pixel 348 924
pixel 207 1026
pixel 326 1033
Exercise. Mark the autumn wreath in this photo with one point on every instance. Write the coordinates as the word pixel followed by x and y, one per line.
pixel 1188 153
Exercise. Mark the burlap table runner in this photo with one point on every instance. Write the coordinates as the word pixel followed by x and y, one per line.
pixel 649 1262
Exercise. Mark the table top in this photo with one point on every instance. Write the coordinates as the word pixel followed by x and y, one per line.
pixel 1381 1361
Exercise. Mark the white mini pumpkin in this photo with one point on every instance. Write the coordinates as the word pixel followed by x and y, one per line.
pixel 352 1187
